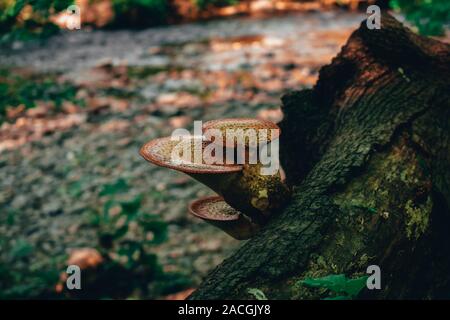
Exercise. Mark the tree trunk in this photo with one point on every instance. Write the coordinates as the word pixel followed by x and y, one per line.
pixel 367 152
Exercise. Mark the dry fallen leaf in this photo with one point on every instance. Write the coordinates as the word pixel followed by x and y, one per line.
pixel 85 258
pixel 114 126
pixel 182 295
pixel 274 115
pixel 180 121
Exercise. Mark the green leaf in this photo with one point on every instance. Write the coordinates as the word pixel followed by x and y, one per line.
pixel 21 249
pixel 354 286
pixel 131 208
pixel 151 261
pixel 331 282
pixel 119 233
pixel 75 189
pixel 157 227
pixel 106 207
pixel 338 284
pixel 339 298
pixel 129 249
pixel 258 294
pixel 119 186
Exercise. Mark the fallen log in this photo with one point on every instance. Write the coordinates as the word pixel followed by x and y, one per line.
pixel 367 153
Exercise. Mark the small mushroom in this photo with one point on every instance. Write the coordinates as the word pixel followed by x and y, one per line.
pixel 217 212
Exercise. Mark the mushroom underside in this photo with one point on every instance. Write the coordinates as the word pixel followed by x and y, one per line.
pixel 217 212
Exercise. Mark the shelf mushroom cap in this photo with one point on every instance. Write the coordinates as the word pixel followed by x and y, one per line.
pixel 242 124
pixel 217 212
pixel 213 208
pixel 159 152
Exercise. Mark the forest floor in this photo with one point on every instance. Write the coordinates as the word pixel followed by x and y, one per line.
pixel 127 87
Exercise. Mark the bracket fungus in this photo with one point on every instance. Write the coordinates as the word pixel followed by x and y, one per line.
pixel 220 214
pixel 248 179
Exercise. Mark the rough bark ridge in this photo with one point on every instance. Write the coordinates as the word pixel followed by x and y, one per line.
pixel 367 153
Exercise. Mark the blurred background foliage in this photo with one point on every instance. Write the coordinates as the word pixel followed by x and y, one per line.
pixel 28 19
pixel 121 265
pixel 26 90
pixel 25 19
pixel 140 12
pixel 126 237
pixel 429 16
pixel 203 4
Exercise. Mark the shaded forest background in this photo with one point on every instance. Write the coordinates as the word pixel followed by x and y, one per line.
pixel 28 18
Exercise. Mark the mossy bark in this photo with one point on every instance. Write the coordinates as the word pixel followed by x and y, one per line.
pixel 367 152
